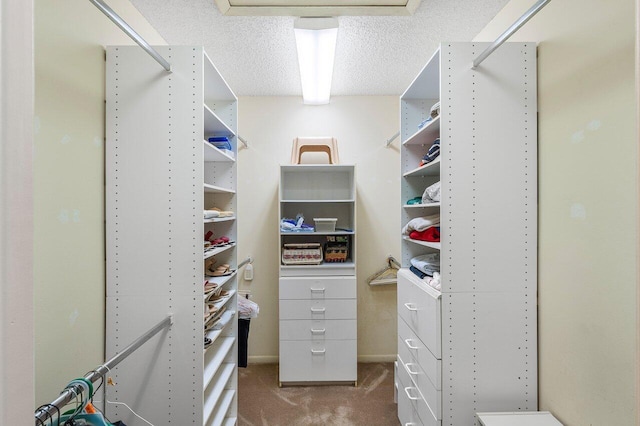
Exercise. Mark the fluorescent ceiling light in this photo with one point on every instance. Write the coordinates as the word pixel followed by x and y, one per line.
pixel 316 43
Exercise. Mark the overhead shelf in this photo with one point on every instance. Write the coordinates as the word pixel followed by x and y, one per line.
pixel 220 219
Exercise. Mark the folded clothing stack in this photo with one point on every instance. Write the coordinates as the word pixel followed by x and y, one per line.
pixel 427 263
pixel 221 142
pixel 295 225
pixel 421 223
pixel 431 235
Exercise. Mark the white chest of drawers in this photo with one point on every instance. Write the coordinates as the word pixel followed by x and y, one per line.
pixel 318 329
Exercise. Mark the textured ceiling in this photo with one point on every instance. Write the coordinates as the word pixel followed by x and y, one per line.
pixel 375 55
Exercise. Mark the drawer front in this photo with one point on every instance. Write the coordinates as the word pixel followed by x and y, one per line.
pixel 318 330
pixel 420 308
pixel 431 396
pixel 318 309
pixel 409 391
pixel 318 288
pixel 310 361
pixel 414 351
pixel 407 415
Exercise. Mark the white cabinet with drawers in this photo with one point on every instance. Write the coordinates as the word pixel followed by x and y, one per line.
pixel 471 345
pixel 318 302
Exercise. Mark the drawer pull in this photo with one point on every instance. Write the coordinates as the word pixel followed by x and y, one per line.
pixel 411 307
pixel 318 310
pixel 413 373
pixel 318 352
pixel 409 345
pixel 413 398
pixel 318 330
pixel 317 290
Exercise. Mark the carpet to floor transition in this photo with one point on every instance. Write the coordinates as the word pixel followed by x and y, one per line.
pixel 262 403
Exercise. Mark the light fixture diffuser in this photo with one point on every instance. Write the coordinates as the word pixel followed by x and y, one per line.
pixel 316 44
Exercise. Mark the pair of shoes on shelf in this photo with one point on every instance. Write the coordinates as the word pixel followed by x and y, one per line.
pixel 221 271
pixel 210 287
pixel 216 242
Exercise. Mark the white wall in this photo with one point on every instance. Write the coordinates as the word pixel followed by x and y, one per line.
pixel 588 196
pixel 68 262
pixel 16 211
pixel 361 124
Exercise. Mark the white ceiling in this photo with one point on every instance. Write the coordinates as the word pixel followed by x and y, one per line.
pixel 375 55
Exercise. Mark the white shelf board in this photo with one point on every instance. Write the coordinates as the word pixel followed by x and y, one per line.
pixel 230 421
pixel 336 265
pixel 306 168
pixel 423 243
pixel 217 250
pixel 426 135
pixel 221 351
pixel 226 317
pixel 318 201
pixel 430 169
pixel 421 206
pixel 219 219
pixel 215 86
pixel 220 280
pixel 223 407
pixel 318 233
pixel 213 125
pixel 213 154
pixel 518 418
pixel 222 380
pixel 217 189
pixel 426 85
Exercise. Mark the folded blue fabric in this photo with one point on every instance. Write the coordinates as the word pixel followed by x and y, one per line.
pixel 221 142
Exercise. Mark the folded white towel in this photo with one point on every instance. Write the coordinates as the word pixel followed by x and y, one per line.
pixel 421 223
pixel 210 214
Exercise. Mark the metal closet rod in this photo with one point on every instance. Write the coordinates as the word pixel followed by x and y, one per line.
pixel 509 32
pixel 47 412
pixel 244 262
pixel 104 8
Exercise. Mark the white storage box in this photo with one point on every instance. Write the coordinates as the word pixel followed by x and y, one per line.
pixel 326 224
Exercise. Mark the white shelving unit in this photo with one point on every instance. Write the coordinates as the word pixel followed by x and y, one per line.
pixel 318 303
pixel 471 346
pixel 161 173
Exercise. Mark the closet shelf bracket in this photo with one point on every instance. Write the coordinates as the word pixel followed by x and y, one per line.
pixel 104 8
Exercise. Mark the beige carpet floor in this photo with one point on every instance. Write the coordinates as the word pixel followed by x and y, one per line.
pixel 262 403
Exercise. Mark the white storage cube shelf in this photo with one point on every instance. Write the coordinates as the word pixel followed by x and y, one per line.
pixel 318 303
